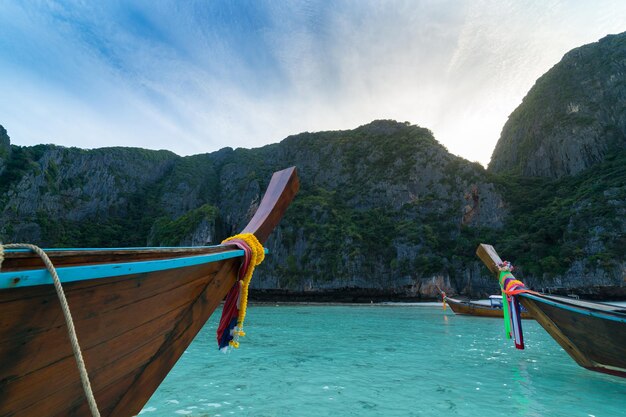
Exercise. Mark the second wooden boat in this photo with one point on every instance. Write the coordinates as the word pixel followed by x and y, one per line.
pixel 593 334
pixel 473 308
pixel 135 312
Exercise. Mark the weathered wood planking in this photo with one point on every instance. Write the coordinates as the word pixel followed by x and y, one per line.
pixel 593 341
pixel 186 329
pixel 99 343
pixel 147 379
pixel 108 326
pixel 86 299
pixel 490 257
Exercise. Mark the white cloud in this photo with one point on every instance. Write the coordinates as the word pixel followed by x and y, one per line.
pixel 197 77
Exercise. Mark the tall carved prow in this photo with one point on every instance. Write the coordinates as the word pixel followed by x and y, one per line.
pixel 280 192
pixel 489 256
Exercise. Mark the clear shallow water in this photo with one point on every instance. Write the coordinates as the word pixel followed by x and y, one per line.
pixel 381 361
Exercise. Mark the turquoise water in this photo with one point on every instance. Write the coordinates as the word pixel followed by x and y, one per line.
pixel 381 361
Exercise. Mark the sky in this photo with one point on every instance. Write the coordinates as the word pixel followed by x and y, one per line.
pixel 197 76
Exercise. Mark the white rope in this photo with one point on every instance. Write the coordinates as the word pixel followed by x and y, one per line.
pixel 68 319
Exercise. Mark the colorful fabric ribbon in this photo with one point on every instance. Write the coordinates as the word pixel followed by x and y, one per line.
pixel 511 308
pixel 236 303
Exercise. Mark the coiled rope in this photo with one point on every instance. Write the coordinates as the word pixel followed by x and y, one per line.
pixel 68 319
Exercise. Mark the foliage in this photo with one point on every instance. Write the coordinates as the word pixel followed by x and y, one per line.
pixel 551 222
pixel 352 217
pixel 167 232
pixel 22 161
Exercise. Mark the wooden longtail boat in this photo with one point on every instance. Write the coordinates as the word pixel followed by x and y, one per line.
pixel 593 334
pixel 135 311
pixel 472 308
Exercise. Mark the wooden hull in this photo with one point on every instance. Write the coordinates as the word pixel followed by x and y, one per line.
pixel 476 309
pixel 593 334
pixel 135 312
pixel 132 330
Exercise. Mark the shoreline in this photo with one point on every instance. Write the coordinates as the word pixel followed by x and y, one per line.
pixel 323 303
pixel 371 296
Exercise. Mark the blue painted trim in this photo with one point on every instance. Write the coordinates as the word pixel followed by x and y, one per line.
pixel 18 279
pixel 114 249
pixel 573 309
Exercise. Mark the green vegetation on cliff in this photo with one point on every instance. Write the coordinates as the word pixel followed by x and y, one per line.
pixel 168 232
pixel 554 223
pixel 382 207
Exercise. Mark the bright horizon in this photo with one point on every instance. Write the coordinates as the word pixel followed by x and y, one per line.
pixel 195 77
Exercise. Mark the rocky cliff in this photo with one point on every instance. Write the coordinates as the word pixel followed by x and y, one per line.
pixel 384 211
pixel 572 118
pixel 569 133
pixel 383 208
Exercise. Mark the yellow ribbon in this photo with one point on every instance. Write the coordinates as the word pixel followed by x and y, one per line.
pixel 257 256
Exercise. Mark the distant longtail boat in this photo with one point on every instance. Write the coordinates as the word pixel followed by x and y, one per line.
pixel 593 334
pixel 135 312
pixel 473 308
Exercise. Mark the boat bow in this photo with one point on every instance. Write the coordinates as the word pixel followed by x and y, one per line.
pixel 135 311
pixel 593 334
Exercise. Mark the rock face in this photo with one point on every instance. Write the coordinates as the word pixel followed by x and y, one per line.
pixel 382 207
pixel 570 133
pixel 57 196
pixel 572 118
pixel 384 210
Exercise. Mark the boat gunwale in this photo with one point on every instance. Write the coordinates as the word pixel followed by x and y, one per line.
pixel 567 320
pixel 34 277
pixel 113 250
pixel 580 308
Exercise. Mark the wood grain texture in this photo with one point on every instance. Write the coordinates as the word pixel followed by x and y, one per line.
pixel 186 329
pixel 121 338
pixel 280 192
pixel 596 343
pixel 490 257
pixel 556 333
